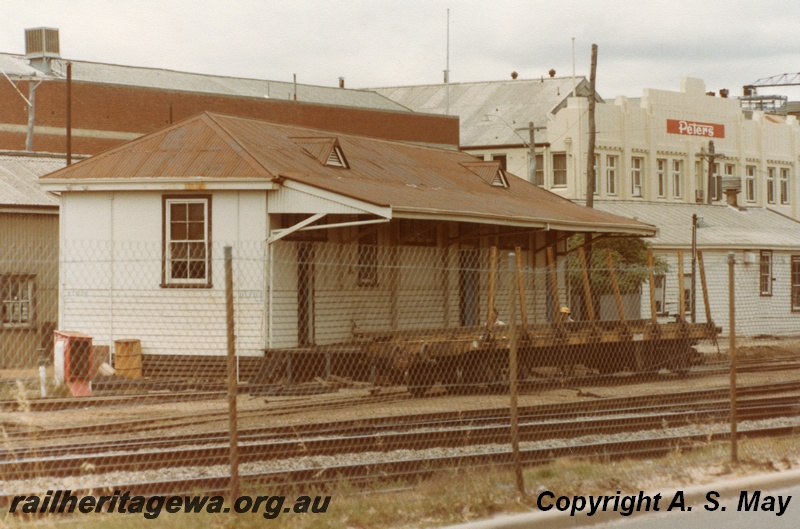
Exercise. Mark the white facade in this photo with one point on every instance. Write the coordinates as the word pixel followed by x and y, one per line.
pixel 112 282
pixel 651 150
pixel 111 273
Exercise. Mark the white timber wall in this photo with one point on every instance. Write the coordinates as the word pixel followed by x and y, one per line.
pixel 111 271
pixel 755 314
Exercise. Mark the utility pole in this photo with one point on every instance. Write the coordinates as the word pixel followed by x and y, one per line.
pixel 532 149
pixel 590 173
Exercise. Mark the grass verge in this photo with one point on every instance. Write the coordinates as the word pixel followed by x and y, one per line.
pixel 457 496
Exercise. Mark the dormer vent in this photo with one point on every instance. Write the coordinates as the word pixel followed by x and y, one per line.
pixel 489 171
pixel 326 150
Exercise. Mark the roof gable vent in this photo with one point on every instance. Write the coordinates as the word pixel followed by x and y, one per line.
pixel 336 158
pixel 489 171
pixel 499 179
pixel 326 150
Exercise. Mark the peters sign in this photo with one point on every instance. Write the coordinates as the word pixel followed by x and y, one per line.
pixel 694 128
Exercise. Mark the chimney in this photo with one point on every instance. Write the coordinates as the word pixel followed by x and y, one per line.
pixel 341 82
pixel 514 75
pixel 41 45
pixel 731 186
pixel 552 72
pixel 723 92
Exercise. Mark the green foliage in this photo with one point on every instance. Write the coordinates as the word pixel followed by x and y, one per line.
pixel 630 264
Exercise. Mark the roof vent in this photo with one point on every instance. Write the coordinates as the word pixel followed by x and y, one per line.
pixel 336 158
pixel 326 150
pixel 499 179
pixel 41 45
pixel 489 171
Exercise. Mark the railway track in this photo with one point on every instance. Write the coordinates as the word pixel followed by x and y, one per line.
pixel 412 432
pixel 399 469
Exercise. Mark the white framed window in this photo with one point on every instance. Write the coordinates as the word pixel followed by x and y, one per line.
pixel 611 174
pixel 187 241
pixel 771 185
pixel 17 294
pixel 559 169
pixel 784 185
pixel 750 183
pixel 661 178
pixel 637 163
pixel 677 177
pixel 538 177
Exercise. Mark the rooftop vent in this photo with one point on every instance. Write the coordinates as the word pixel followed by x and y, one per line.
pixel 41 45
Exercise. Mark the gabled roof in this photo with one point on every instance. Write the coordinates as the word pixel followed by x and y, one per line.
pixel 19 180
pixel 413 181
pixel 510 104
pixel 721 226
pixel 159 78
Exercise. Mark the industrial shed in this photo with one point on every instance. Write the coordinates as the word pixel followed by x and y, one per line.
pixel 28 258
pixel 332 234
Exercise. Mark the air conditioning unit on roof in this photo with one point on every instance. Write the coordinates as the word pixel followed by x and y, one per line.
pixel 41 43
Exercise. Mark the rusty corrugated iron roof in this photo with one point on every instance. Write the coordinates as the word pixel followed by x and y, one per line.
pixel 412 180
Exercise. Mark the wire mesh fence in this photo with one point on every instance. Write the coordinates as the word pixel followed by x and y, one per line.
pixel 362 362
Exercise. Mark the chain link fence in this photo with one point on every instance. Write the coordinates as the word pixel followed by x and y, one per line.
pixel 359 362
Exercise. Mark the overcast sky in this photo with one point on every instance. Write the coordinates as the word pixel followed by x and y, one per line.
pixel 642 43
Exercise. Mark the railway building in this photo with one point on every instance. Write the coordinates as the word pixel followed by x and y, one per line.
pixel 111 104
pixel 333 235
pixel 764 243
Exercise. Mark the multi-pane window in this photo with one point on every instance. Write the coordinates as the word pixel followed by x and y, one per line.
pixel 187 241
pixel 559 169
pixel 771 185
pixel 765 273
pixel 368 257
pixel 750 183
pixel 538 177
pixel 784 185
pixel 677 176
pixel 611 174
pixel 16 292
pixel 636 176
pixel 661 177
pixel 795 283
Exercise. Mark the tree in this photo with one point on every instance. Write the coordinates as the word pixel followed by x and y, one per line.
pixel 630 265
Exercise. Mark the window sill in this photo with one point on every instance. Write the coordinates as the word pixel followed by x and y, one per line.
pixel 186 285
pixel 17 327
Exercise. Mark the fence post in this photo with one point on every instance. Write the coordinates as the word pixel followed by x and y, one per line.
pixel 232 385
pixel 512 373
pixel 732 352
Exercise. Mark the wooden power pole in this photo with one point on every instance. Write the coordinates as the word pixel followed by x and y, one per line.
pixel 590 172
